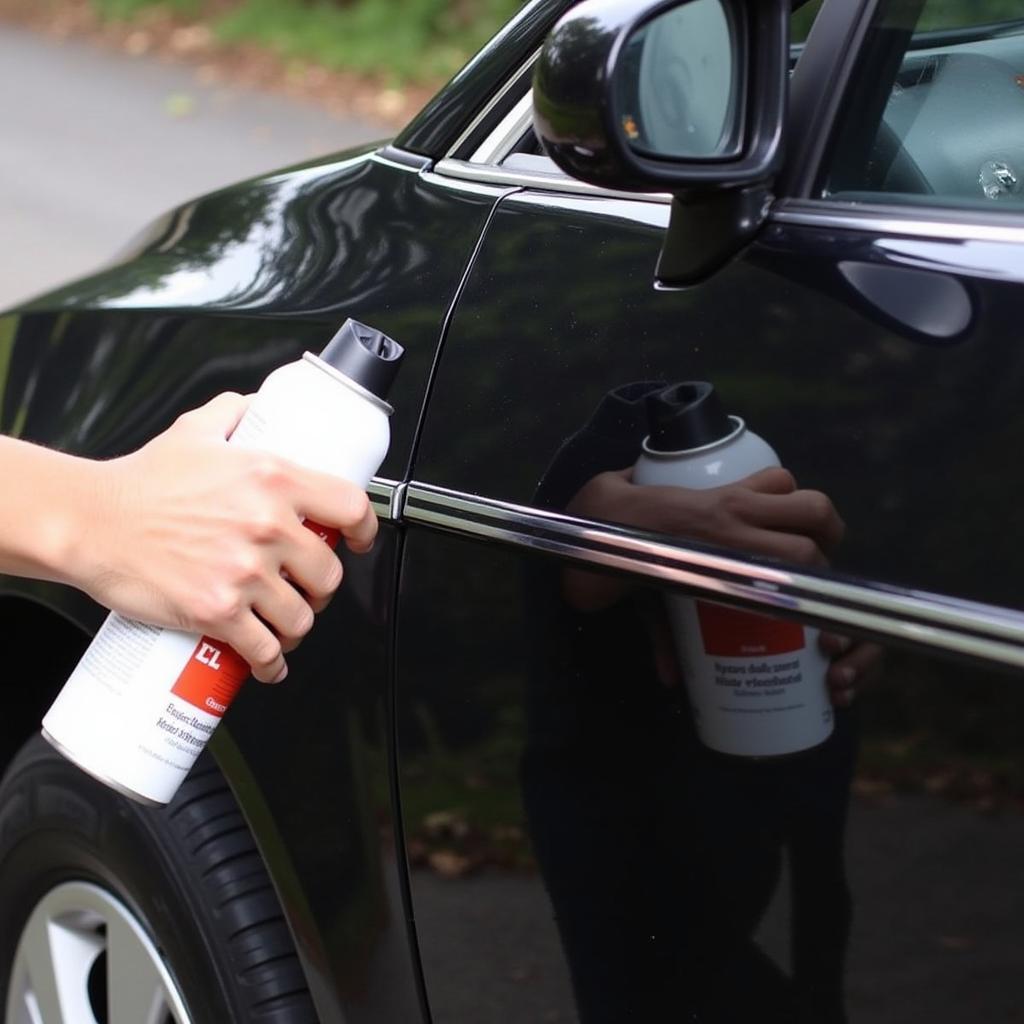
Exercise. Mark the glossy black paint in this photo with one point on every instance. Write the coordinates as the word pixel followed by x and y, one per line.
pixel 861 405
pixel 278 262
pixel 575 857
pixel 221 292
pixel 551 785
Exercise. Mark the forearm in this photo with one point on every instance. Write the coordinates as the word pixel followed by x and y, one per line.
pixel 49 500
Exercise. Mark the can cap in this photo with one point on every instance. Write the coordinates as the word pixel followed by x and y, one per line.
pixel 364 355
pixel 687 415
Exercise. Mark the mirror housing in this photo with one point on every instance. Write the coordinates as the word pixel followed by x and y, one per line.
pixel 712 135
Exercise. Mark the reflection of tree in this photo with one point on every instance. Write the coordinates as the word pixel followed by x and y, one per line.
pixel 195 238
pixel 936 16
pixel 962 13
pixel 572 48
pixel 291 240
pixel 568 85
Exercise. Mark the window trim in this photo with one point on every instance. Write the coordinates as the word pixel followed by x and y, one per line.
pixel 843 34
pixel 935 222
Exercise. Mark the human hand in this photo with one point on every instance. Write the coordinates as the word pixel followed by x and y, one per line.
pixel 855 663
pixel 193 533
pixel 765 514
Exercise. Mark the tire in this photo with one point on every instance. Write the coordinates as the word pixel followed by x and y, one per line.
pixel 186 881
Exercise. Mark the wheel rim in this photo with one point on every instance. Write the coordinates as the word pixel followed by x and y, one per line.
pixel 84 958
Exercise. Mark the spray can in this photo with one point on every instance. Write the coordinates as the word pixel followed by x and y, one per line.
pixel 756 684
pixel 143 701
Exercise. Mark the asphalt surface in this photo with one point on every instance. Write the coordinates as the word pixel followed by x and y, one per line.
pixel 94 144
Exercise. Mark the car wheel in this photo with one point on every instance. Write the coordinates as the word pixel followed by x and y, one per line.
pixel 114 913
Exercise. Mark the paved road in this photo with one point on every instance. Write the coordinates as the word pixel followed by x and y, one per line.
pixel 937 938
pixel 94 144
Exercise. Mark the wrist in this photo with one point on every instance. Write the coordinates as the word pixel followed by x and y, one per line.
pixel 73 544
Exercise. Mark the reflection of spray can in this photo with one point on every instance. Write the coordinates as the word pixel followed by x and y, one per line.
pixel 143 701
pixel 756 684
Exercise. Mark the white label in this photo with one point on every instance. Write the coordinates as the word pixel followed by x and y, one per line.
pixel 756 684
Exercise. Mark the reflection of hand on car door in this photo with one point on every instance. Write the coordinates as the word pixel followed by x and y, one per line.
pixel 763 514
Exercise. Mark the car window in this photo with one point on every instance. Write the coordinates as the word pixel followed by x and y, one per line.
pixel 936 113
pixel 803 18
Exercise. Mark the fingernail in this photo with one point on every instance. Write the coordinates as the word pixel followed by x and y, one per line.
pixel 847 674
pixel 280 675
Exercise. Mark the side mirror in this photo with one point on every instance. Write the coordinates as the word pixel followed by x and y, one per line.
pixel 684 96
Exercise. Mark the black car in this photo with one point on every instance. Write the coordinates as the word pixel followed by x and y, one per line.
pixel 481 796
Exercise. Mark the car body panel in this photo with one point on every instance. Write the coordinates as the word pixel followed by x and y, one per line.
pixel 535 741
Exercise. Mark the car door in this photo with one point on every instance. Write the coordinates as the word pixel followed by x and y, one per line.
pixel 575 852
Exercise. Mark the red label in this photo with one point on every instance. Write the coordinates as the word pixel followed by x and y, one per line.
pixel 730 633
pixel 328 534
pixel 211 677
pixel 215 673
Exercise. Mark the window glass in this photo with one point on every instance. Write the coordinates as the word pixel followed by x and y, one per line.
pixel 803 18
pixel 937 112
pixel 965 13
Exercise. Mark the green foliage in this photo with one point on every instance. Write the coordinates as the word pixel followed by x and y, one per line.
pixel 407 39
pixel 124 10
pixel 939 14
pixel 425 40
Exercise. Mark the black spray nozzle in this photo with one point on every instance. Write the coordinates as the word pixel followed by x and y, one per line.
pixel 685 416
pixel 364 355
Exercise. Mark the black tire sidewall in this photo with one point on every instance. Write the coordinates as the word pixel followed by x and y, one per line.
pixel 58 825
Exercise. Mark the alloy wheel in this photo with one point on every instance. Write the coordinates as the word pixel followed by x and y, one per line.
pixel 84 958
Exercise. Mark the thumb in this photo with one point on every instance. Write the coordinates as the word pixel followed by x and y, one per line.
pixel 219 416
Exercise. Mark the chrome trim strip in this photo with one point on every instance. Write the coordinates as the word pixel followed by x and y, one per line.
pixel 516 178
pixel 398 502
pixel 509 131
pixel 905 222
pixel 474 185
pixel 382 494
pixel 493 102
pixel 991 634
pixel 380 158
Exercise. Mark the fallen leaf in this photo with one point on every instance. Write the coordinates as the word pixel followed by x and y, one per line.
pixel 179 104
pixel 449 864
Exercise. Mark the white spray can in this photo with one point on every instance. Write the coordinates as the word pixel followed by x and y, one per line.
pixel 143 701
pixel 756 684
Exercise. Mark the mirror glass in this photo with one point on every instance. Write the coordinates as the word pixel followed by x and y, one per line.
pixel 679 85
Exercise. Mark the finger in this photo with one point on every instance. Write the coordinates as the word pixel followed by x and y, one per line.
pixel 834 644
pixel 786 547
pixel 312 566
pixel 850 671
pixel 219 416
pixel 862 659
pixel 259 647
pixel 807 512
pixel 337 503
pixel 773 480
pixel 285 611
